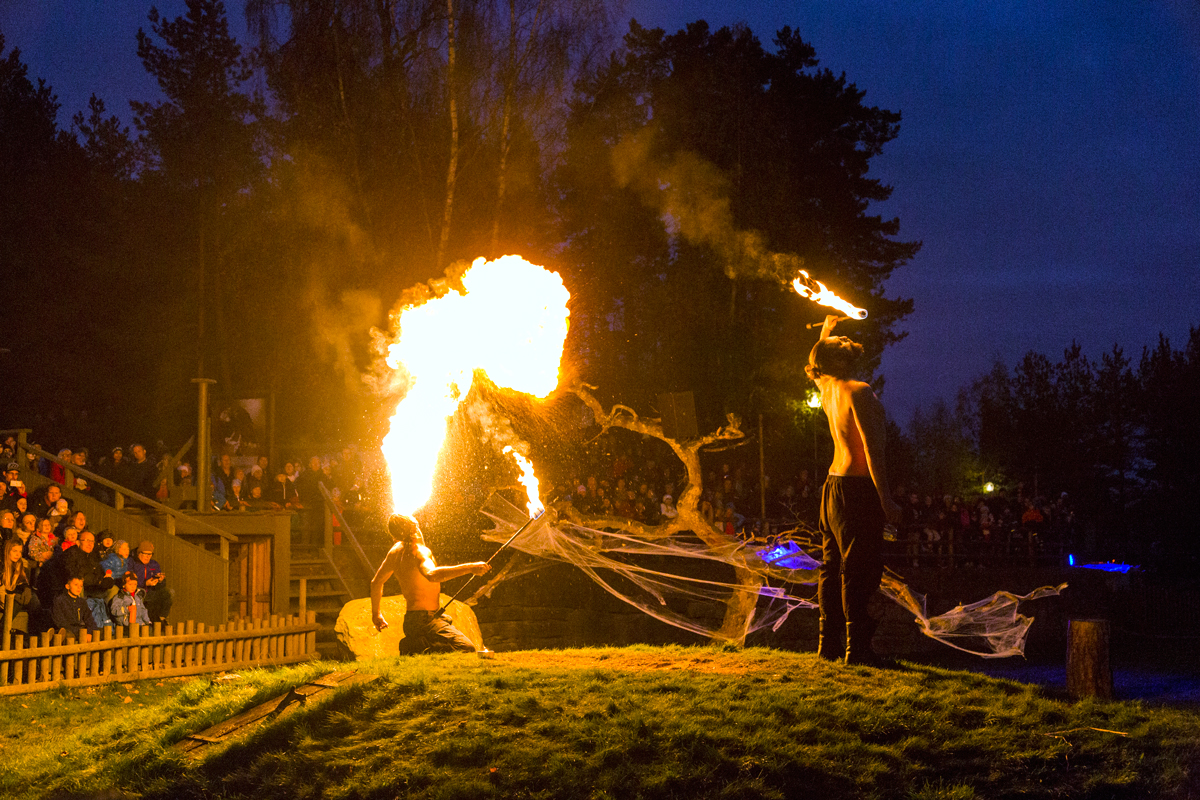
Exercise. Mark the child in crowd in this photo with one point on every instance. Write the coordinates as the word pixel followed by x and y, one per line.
pixel 129 606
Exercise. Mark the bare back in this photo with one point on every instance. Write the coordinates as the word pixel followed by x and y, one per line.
pixel 409 564
pixel 846 403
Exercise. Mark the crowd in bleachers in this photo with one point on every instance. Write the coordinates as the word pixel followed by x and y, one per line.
pixel 936 529
pixel 59 573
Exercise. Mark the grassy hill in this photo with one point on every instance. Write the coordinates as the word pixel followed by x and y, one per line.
pixel 632 722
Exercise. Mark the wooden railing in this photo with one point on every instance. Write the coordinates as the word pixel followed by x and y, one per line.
pixel 55 659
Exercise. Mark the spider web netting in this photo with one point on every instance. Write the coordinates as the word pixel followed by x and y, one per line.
pixel 654 576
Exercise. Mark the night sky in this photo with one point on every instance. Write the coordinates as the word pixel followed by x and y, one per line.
pixel 1049 157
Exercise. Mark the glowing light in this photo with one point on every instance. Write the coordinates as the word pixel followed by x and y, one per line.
pixel 814 399
pixel 816 291
pixel 989 487
pixel 510 322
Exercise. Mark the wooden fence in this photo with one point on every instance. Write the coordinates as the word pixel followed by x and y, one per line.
pixel 116 654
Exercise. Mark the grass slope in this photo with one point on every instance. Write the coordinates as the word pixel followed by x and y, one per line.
pixel 633 722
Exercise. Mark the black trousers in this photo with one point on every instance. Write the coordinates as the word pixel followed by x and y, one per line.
pixel 852 521
pixel 431 632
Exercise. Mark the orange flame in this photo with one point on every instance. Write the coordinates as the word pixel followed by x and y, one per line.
pixel 816 291
pixel 510 322
pixel 529 481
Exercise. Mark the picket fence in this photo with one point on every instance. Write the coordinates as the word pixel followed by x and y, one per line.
pixel 116 654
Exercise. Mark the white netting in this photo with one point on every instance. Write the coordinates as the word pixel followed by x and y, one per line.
pixel 652 575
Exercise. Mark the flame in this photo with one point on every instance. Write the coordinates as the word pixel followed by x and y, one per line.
pixel 816 291
pixel 510 322
pixel 529 481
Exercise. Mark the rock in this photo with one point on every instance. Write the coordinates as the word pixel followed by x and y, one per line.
pixel 357 635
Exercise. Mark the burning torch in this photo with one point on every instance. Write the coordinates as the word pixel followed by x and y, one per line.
pixel 813 289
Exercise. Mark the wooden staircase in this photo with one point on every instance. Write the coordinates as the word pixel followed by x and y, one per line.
pixel 316 581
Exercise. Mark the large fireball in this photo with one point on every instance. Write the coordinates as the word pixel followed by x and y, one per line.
pixel 510 322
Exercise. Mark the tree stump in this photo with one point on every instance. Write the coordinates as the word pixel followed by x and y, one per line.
pixel 1088 670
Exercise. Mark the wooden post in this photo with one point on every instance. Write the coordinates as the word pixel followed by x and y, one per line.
pixel 9 599
pixel 1088 671
pixel 304 598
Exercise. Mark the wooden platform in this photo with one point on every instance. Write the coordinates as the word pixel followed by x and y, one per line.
pixel 197 744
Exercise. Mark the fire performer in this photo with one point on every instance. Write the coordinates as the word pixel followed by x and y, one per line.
pixel 426 630
pixel 855 500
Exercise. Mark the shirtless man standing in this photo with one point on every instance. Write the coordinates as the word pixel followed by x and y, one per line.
pixel 425 631
pixel 855 500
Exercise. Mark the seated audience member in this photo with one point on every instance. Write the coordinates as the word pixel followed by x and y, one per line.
pixel 81 562
pixel 104 546
pixel 41 544
pixel 70 538
pixel 26 528
pixel 78 521
pixel 151 578
pixel 71 613
pixel 116 561
pixel 27 522
pixel 61 512
pixel 129 606
pixel 667 507
pixel 18 586
pixel 8 522
pixel 46 500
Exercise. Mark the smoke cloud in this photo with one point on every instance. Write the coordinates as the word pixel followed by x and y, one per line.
pixel 692 197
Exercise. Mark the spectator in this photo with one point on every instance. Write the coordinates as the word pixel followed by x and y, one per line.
pixel 18 585
pixel 80 459
pixel 151 578
pixel 68 539
pixel 283 491
pixel 306 484
pixel 223 483
pixel 70 611
pixel 104 546
pixel 129 606
pixel 58 472
pixel 78 521
pixel 116 562
pixel 116 469
pixel 41 544
pixel 14 487
pixel 45 501
pixel 8 521
pixel 143 473
pixel 667 508
pixel 255 478
pixel 81 562
pixel 26 528
pixel 61 511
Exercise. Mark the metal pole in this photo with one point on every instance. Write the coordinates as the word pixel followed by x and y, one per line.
pixel 762 480
pixel 203 488
pixel 520 530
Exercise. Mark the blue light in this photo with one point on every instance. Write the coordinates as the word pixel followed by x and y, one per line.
pixel 1070 559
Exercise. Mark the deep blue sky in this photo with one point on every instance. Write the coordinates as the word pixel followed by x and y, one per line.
pixel 1049 156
